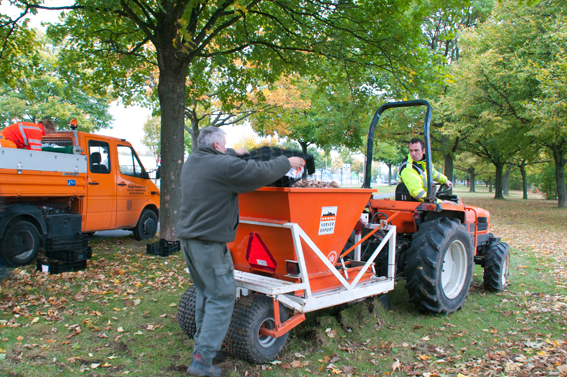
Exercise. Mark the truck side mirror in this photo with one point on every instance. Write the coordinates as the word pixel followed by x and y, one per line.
pixel 158 172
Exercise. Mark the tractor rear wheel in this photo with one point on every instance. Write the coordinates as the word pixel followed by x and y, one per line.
pixel 251 313
pixel 496 265
pixel 186 312
pixel 439 266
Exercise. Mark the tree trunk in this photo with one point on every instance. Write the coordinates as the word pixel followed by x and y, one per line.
pixel 559 159
pixel 498 181
pixel 194 131
pixel 390 175
pixel 490 184
pixel 171 90
pixel 524 180
pixel 506 180
pixel 472 179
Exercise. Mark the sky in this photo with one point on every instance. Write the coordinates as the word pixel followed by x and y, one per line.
pixel 127 121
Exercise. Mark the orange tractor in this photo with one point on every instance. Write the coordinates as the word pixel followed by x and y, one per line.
pixel 290 256
pixel 437 244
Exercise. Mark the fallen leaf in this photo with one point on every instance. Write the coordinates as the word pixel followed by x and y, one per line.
pixel 296 364
pixel 397 365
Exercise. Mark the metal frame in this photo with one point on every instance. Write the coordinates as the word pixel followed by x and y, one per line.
pixel 283 291
pixel 430 198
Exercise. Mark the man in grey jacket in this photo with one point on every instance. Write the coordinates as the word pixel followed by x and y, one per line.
pixel 211 180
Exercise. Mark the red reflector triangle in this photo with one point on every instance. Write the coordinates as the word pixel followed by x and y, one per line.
pixel 258 255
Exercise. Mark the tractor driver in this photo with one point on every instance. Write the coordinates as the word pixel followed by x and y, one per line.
pixel 211 180
pixel 413 175
pixel 26 135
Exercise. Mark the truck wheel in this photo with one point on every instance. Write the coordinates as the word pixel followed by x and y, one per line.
pixel 496 264
pixel 186 312
pixel 147 225
pixel 244 340
pixel 22 236
pixel 439 266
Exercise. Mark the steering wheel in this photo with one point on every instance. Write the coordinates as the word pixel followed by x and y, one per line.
pixel 443 188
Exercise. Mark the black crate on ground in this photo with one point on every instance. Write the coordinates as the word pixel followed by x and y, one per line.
pixel 163 248
pixel 72 242
pixel 57 267
pixel 70 256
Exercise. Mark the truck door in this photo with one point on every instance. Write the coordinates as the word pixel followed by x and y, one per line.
pixel 132 188
pixel 101 190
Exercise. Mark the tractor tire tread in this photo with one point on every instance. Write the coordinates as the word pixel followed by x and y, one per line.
pixel 497 253
pixel 186 312
pixel 424 262
pixel 241 337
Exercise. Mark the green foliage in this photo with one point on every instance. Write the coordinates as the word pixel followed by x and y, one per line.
pixel 507 94
pixel 389 153
pixel 152 137
pixel 311 114
pixel 44 90
pixel 546 181
pixel 18 56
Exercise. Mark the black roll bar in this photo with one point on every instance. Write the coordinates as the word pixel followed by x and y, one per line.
pixel 370 142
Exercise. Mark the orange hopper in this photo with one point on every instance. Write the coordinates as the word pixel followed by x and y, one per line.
pixel 327 216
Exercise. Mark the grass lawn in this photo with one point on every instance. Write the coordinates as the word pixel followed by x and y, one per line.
pixel 118 317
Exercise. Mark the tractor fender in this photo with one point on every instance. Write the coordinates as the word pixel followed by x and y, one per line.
pixel 29 212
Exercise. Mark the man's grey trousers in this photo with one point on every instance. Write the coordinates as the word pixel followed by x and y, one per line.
pixel 212 272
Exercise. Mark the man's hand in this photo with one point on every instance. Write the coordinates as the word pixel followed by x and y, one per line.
pixel 296 162
pixel 449 183
pixel 241 151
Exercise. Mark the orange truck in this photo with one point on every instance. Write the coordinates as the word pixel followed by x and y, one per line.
pixel 79 182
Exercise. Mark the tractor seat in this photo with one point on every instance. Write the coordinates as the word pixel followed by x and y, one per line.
pixel 402 193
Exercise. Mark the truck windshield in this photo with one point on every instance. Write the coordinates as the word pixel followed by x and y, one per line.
pixel 129 163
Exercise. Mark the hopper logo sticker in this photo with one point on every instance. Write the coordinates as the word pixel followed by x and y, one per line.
pixel 328 219
pixel 332 257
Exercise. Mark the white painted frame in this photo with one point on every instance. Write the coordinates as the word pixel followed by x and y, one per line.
pixel 283 290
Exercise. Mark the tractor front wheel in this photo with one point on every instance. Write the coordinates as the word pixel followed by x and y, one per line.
pixel 186 312
pixel 439 266
pixel 496 265
pixel 244 340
